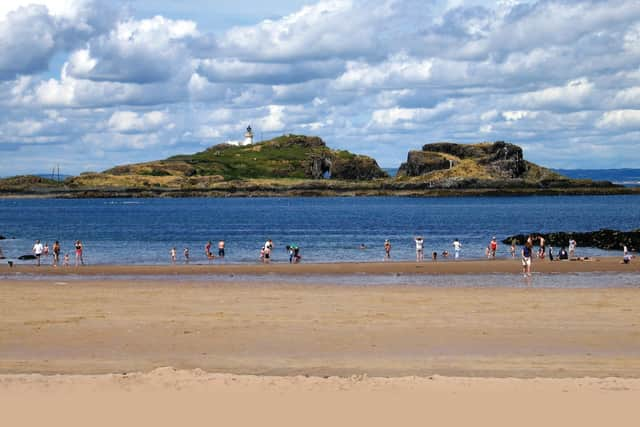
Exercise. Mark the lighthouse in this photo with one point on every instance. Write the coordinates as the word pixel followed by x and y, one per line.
pixel 248 137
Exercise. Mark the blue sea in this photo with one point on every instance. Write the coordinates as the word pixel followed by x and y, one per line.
pixel 142 231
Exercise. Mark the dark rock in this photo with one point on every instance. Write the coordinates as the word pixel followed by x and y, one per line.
pixel 500 159
pixel 26 257
pixel 602 239
pixel 356 168
pixel 422 162
pixel 2 237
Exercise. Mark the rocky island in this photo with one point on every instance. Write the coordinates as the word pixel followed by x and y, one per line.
pixel 298 165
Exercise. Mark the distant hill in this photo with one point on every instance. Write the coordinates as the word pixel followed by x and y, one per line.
pixel 630 177
pixel 288 156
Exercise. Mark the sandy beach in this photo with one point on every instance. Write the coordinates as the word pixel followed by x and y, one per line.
pixel 210 348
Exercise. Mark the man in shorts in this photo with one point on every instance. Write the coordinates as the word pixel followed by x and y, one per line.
pixel 37 251
pixel 221 248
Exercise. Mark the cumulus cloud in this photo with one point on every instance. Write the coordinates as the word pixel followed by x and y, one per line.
pixel 327 29
pixel 144 51
pixel 379 77
pixel 132 122
pixel 620 119
pixel 32 34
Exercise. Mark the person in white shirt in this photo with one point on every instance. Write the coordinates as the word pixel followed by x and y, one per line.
pixel 37 251
pixel 456 248
pixel 419 248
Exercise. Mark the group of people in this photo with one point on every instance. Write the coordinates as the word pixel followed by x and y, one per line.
pixel 40 251
pixel 527 252
pixel 173 253
pixel 419 242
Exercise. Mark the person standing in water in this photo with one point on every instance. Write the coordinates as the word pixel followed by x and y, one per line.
pixel 456 248
pixel 526 259
pixel 79 250
pixel 37 251
pixel 221 248
pixel 419 248
pixel 174 255
pixel 56 253
pixel 493 247
pixel 387 250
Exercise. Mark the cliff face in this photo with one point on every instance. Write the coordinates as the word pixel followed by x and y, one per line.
pixel 443 162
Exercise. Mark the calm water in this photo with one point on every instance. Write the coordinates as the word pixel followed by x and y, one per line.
pixel 142 231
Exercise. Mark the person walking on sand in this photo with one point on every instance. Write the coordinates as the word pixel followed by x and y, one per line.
pixel 56 253
pixel 419 248
pixel 387 250
pixel 174 255
pixel 526 259
pixel 79 250
pixel 37 250
pixel 456 248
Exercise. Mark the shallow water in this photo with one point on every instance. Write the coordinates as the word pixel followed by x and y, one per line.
pixel 142 231
pixel 537 280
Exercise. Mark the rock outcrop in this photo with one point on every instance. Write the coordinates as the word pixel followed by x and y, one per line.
pixel 486 161
pixel 602 239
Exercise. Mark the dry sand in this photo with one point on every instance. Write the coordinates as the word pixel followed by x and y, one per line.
pixel 517 356
pixel 166 397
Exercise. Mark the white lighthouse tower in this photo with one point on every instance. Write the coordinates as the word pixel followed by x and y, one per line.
pixel 248 137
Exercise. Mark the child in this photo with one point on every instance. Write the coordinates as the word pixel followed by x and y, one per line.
pixel 66 259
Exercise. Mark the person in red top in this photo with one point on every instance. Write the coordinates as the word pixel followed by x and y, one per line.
pixel 493 247
pixel 207 249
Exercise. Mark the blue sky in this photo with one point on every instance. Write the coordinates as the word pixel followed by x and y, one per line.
pixel 88 84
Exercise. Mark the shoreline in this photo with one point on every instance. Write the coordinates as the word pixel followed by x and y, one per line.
pixel 443 267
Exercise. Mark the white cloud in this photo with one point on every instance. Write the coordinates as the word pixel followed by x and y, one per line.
pixel 574 95
pixel 136 51
pixel 132 122
pixel 620 119
pixel 327 29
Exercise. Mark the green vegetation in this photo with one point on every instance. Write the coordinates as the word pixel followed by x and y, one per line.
pixel 295 165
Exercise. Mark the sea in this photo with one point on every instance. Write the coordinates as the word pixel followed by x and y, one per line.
pixel 143 231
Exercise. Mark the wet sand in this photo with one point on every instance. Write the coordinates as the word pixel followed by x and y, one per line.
pixel 93 352
pixel 600 264
pixel 105 326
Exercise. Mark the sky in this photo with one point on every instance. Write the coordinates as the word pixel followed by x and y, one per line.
pixel 89 84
